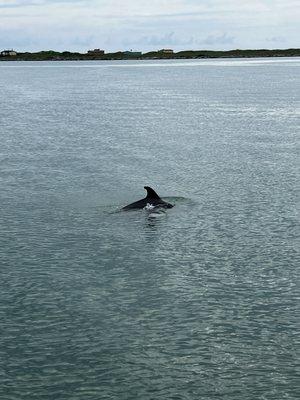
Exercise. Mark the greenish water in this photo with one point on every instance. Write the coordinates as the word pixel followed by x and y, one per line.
pixel 200 302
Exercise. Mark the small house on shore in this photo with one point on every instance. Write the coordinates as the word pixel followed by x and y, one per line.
pixel 6 53
pixel 96 52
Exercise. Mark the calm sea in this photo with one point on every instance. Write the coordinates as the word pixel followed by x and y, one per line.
pixel 198 302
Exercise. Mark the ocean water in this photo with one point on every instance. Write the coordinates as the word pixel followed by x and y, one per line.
pixel 198 302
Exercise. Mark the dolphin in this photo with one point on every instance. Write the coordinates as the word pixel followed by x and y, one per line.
pixel 152 199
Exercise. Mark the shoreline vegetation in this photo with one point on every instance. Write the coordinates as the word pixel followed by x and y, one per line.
pixel 51 55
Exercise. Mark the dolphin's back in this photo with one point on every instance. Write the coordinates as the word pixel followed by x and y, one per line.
pixel 137 204
pixel 151 198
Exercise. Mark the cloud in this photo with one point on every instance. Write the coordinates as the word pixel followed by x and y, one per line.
pixel 154 41
pixel 80 24
pixel 29 3
pixel 276 39
pixel 221 39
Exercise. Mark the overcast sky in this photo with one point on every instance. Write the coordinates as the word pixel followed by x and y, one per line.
pixel 148 24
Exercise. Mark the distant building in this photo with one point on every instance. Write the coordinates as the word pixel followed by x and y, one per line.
pixel 6 53
pixel 132 53
pixel 166 51
pixel 96 52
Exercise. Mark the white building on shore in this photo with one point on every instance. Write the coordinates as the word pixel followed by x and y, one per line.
pixel 6 53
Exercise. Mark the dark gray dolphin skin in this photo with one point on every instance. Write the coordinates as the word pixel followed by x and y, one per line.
pixel 151 198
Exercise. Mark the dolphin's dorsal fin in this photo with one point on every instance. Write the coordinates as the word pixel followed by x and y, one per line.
pixel 151 193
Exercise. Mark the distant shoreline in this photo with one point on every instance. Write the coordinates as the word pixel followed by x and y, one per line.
pixel 153 55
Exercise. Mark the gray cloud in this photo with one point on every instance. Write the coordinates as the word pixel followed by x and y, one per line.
pixel 165 40
pixel 222 39
pixel 276 39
